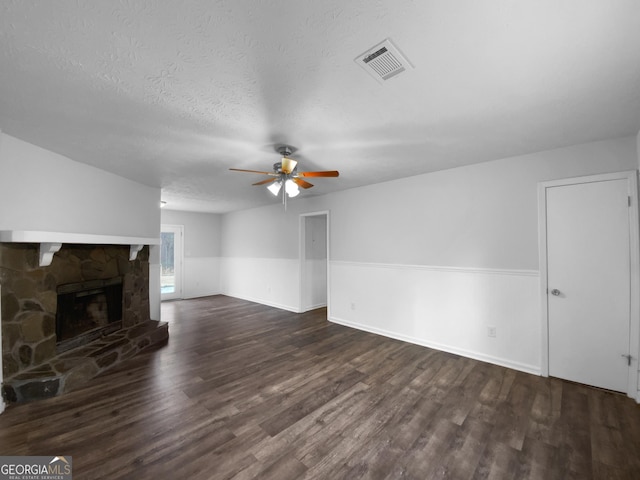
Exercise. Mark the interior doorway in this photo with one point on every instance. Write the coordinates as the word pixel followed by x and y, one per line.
pixel 171 260
pixel 589 276
pixel 314 257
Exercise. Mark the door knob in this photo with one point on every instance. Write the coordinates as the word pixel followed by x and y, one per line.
pixel 555 292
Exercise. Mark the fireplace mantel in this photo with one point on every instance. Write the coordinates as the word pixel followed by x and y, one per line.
pixel 51 242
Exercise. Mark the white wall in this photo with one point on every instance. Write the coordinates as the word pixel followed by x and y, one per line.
pixel 201 270
pixel 41 190
pixel 483 215
pixel 638 147
pixel 260 255
pixel 434 259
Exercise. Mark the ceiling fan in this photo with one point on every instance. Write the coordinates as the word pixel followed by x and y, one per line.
pixel 285 173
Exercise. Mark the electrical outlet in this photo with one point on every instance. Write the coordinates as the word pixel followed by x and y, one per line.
pixel 491 331
pixel 353 306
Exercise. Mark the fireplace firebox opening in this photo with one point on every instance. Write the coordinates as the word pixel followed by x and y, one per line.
pixel 86 311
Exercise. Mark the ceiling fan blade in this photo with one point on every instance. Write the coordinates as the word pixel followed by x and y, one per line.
pixel 251 171
pixel 329 173
pixel 264 182
pixel 302 183
pixel 288 164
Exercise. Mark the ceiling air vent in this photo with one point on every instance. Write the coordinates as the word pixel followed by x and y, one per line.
pixel 383 61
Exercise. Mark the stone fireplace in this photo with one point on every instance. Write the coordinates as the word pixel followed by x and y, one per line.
pixel 66 322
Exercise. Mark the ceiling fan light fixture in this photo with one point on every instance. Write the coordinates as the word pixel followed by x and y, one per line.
pixel 291 188
pixel 275 188
pixel 285 174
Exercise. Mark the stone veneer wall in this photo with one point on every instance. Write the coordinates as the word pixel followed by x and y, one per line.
pixel 29 297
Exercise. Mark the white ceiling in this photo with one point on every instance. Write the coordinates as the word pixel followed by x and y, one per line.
pixel 172 94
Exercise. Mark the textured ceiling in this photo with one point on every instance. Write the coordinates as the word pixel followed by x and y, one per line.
pixel 172 94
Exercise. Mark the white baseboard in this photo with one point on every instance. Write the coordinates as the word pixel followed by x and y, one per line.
pixel 201 295
pixel 262 301
pixel 313 307
pixel 532 369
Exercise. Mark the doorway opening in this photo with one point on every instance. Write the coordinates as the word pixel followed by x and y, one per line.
pixel 171 260
pixel 314 258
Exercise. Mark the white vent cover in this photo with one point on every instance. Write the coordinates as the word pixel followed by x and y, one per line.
pixel 383 61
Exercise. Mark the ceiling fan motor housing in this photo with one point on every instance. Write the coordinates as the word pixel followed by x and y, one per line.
pixel 277 168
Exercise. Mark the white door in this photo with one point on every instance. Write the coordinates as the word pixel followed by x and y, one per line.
pixel 588 282
pixel 171 262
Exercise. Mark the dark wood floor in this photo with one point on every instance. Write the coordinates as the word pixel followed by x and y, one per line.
pixel 246 391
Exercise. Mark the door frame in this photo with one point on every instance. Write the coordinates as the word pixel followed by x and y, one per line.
pixel 178 261
pixel 634 259
pixel 302 257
